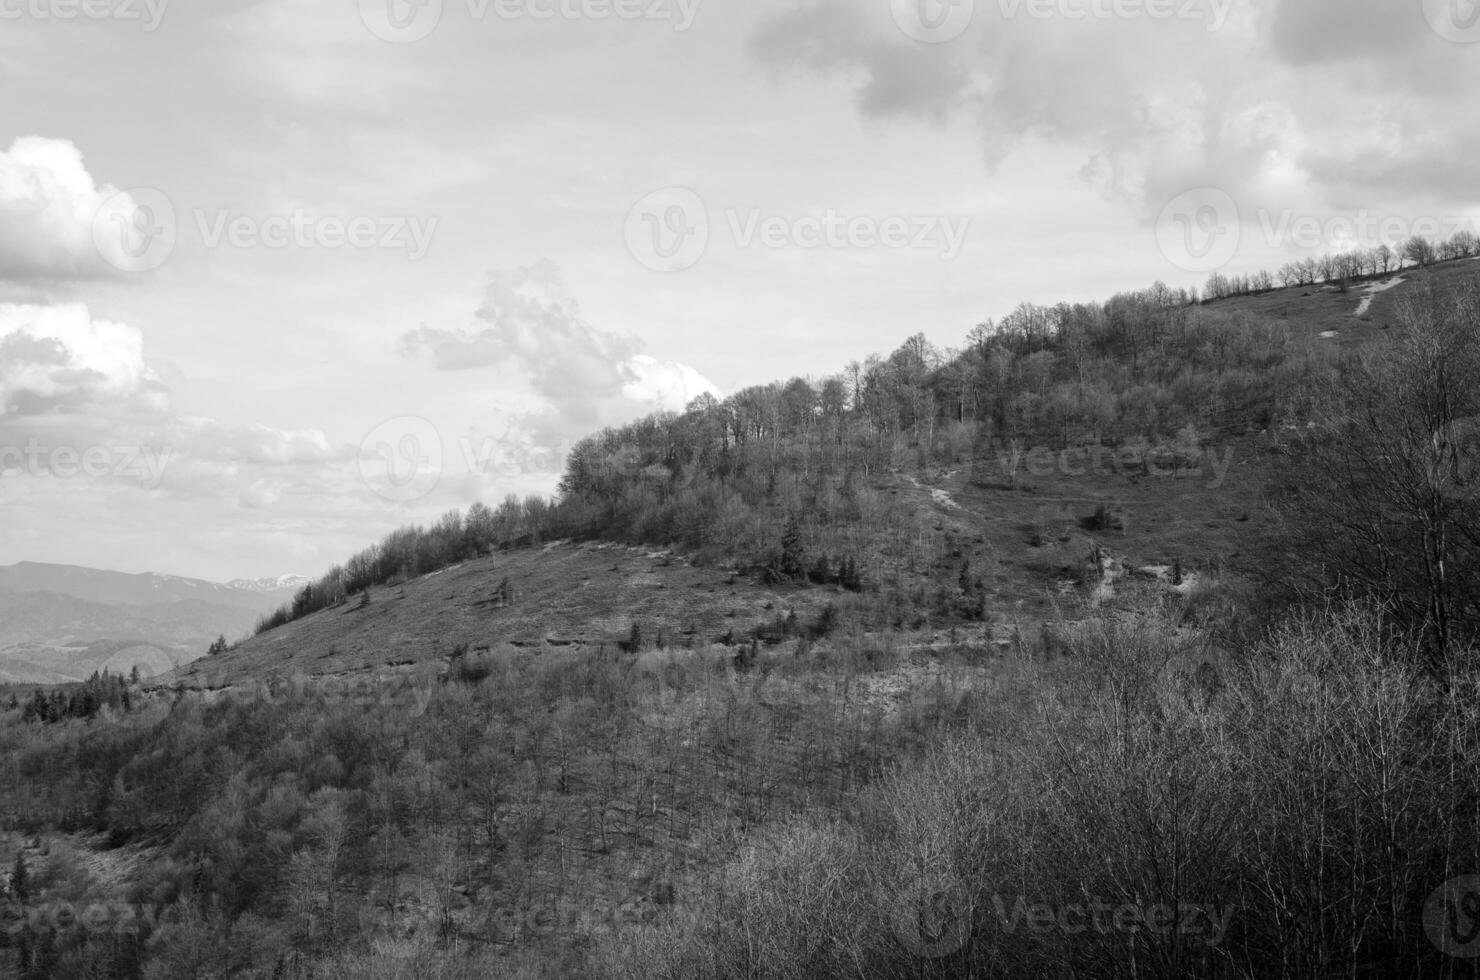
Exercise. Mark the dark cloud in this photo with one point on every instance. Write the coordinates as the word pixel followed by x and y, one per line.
pixel 1303 101
pixel 1315 32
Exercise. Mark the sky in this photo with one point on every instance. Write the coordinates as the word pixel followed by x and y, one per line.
pixel 278 276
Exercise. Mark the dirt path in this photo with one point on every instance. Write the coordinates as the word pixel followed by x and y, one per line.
pixel 1373 289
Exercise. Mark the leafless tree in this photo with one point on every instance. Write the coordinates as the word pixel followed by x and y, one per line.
pixel 1380 498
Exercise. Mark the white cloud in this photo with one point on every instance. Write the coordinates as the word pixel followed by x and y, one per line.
pixel 666 385
pixel 48 202
pixel 58 358
pixel 587 377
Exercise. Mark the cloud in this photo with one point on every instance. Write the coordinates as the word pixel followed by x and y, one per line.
pixel 1317 102
pixel 1315 32
pixel 529 323
pixel 666 385
pixel 48 202
pixel 71 384
pixel 59 359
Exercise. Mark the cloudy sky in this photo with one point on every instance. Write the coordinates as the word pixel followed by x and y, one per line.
pixel 279 275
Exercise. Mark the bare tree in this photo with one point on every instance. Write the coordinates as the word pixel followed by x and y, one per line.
pixel 1380 497
pixel 1420 251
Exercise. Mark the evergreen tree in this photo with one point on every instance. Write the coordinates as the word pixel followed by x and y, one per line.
pixel 790 564
pixel 848 575
pixel 20 886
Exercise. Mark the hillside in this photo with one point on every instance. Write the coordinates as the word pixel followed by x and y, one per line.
pixel 1023 516
pixel 770 667
pixel 581 598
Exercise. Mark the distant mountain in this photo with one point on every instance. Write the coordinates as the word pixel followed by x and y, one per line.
pixel 145 588
pixel 59 623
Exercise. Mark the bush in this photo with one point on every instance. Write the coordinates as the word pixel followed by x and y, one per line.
pixel 1293 823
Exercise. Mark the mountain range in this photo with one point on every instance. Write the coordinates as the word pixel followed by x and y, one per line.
pixel 60 623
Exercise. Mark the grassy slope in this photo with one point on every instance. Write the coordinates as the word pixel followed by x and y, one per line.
pixel 580 596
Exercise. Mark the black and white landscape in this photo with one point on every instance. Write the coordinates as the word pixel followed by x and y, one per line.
pixel 719 489
pixel 61 623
